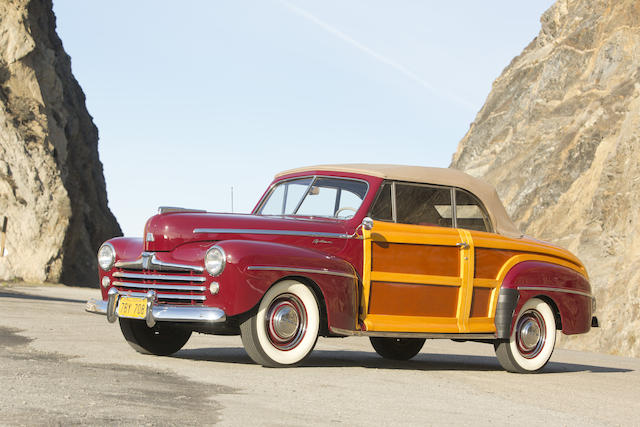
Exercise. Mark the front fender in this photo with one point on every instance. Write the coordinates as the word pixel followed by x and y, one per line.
pixel 252 267
pixel 126 248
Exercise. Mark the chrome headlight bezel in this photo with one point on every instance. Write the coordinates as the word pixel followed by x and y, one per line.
pixel 106 256
pixel 215 260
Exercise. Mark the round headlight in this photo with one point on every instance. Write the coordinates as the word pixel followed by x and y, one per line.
pixel 215 260
pixel 106 256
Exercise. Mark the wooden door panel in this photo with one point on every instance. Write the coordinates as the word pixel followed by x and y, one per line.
pixel 404 299
pixel 409 258
pixel 416 279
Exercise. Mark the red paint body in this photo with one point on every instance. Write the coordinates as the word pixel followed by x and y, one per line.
pixel 574 309
pixel 241 288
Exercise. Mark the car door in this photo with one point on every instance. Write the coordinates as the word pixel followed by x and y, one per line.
pixel 418 268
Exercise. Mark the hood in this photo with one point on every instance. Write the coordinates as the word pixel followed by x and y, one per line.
pixel 166 231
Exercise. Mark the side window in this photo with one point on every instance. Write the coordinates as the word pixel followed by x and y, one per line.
pixel 423 205
pixel 381 208
pixel 470 213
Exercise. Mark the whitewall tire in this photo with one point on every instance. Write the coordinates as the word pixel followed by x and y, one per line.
pixel 285 327
pixel 532 340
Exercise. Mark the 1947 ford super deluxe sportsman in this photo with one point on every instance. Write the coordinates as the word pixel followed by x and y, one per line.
pixel 395 253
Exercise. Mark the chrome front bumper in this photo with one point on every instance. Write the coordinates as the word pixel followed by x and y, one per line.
pixel 157 312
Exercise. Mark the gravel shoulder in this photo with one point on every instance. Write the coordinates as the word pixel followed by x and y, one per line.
pixel 61 365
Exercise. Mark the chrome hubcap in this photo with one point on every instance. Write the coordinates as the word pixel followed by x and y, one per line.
pixel 530 334
pixel 286 322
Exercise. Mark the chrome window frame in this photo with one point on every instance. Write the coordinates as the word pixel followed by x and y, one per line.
pixel 394 203
pixel 377 197
pixel 454 211
pixel 490 228
pixel 258 209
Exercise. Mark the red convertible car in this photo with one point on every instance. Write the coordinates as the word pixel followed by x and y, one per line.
pixel 398 254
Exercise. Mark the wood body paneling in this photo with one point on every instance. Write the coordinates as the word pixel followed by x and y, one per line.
pixel 480 302
pixel 415 259
pixel 404 299
pixel 488 262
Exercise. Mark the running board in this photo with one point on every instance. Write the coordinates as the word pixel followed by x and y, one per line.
pixel 347 332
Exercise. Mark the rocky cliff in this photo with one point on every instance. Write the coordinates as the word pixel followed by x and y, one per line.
pixel 52 188
pixel 559 136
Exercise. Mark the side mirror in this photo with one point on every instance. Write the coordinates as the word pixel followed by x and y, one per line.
pixel 367 223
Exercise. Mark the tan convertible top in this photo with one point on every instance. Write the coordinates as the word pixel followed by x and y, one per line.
pixel 439 176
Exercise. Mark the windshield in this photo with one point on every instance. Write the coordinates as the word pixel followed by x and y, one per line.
pixel 316 196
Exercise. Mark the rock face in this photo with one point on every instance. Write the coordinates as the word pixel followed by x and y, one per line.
pixel 559 136
pixel 52 188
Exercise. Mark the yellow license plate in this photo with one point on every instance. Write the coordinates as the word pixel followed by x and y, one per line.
pixel 135 308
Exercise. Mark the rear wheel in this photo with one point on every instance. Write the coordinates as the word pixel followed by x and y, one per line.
pixel 162 340
pixel 397 348
pixel 532 341
pixel 284 330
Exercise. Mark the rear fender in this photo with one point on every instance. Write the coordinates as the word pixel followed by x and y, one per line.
pixel 567 289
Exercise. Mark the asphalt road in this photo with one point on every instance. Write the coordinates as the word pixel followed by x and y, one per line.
pixel 61 365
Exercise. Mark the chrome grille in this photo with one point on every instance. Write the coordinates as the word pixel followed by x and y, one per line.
pixel 174 283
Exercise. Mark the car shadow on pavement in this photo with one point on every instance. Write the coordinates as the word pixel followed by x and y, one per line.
pixel 363 359
pixel 19 295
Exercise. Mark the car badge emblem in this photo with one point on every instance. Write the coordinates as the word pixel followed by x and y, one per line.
pixel 316 241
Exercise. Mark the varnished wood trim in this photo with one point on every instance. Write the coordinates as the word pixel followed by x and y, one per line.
pixel 490 261
pixel 390 323
pixel 485 283
pixel 480 302
pixel 403 299
pixel 380 276
pixel 415 259
pixel 359 333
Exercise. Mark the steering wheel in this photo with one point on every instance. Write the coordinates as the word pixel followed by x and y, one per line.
pixel 346 208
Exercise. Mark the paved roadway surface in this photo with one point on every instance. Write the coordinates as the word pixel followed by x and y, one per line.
pixel 62 366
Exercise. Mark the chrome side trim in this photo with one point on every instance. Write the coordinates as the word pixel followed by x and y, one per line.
pixel 271 232
pixel 149 261
pixel 547 289
pixel 348 332
pixel 166 313
pixel 300 270
pixel 166 278
pixel 160 287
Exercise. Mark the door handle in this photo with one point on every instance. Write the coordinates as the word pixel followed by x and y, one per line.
pixel 462 245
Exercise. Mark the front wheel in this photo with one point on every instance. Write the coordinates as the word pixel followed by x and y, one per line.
pixel 397 348
pixel 162 340
pixel 532 341
pixel 284 330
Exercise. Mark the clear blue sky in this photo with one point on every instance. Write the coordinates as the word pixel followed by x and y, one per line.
pixel 192 98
